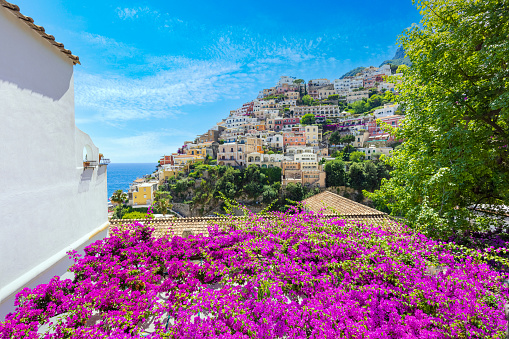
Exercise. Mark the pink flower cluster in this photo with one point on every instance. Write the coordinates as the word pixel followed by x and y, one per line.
pixel 295 276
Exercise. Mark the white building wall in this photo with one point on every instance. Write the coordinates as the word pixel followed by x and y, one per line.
pixel 49 203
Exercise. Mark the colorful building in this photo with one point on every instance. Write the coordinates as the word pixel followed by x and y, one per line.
pixel 142 194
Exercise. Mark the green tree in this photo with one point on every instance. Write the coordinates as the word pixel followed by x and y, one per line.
pixel 335 173
pixel 371 176
pixel 298 81
pixel 402 69
pixel 357 156
pixel 335 138
pixel 456 129
pixel 360 106
pixel 348 139
pixel 118 197
pixel 295 192
pixel 227 182
pixel 333 97
pixel 253 181
pixel 388 97
pixel 346 151
pixel 308 119
pixel 375 101
pixel 271 192
pixel 273 174
pixel 307 100
pixel 162 202
pixel 357 176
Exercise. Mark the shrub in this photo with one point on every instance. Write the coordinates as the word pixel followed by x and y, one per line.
pixel 306 276
pixel 135 215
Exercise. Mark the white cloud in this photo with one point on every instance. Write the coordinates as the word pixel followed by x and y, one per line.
pixel 109 45
pixel 133 13
pixel 177 83
pixel 237 64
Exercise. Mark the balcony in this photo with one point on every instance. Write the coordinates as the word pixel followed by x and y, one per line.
pixel 89 164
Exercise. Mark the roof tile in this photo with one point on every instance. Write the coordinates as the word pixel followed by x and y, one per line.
pixel 14 9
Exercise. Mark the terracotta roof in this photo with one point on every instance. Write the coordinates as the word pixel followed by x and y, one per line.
pixel 329 203
pixel 40 30
pixel 185 226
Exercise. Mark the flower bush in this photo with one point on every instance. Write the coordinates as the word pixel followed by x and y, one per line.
pixel 297 275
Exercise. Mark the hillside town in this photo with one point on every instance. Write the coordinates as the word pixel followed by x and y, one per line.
pixel 295 126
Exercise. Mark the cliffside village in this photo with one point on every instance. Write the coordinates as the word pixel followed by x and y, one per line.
pixel 267 131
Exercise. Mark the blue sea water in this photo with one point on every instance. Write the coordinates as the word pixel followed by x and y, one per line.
pixel 121 175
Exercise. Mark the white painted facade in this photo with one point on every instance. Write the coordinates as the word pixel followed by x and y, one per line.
pixel 347 84
pixel 388 110
pixel 318 82
pixel 238 121
pixel 285 80
pixel 50 203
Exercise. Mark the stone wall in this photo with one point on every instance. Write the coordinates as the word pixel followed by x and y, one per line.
pixel 183 209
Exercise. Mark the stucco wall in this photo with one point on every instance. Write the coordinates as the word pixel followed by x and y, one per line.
pixel 48 200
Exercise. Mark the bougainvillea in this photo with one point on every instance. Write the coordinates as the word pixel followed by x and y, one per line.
pixel 298 275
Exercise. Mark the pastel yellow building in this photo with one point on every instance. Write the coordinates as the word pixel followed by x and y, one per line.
pixel 197 151
pixel 169 171
pixel 142 194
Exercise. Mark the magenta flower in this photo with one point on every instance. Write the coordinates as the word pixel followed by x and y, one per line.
pixel 293 275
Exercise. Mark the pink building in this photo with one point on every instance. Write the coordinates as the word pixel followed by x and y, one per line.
pixel 371 81
pixel 377 134
pixel 294 139
pixel 291 122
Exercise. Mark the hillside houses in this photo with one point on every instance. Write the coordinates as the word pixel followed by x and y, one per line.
pixel 267 131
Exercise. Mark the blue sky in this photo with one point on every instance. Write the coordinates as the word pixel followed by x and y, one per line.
pixel 157 73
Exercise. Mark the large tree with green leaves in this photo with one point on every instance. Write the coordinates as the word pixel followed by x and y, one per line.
pixel 118 197
pixel 335 173
pixel 456 130
pixel 308 119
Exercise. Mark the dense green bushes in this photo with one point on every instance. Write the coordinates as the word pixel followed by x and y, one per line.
pixel 366 175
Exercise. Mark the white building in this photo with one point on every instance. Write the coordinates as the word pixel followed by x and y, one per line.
pixel 347 84
pixel 238 121
pixel 318 82
pixel 388 110
pixel 305 157
pixel 52 201
pixel 275 141
pixel 285 80
pixel 370 151
pixel 265 160
pixel 328 111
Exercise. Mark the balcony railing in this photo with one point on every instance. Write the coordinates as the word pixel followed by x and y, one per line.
pixel 89 164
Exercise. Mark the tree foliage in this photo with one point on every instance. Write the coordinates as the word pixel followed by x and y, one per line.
pixel 357 176
pixel 455 154
pixel 118 197
pixel 295 191
pixel 357 156
pixel 335 173
pixel 307 100
pixel 335 138
pixel 308 119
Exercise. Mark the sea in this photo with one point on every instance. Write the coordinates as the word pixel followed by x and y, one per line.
pixel 121 175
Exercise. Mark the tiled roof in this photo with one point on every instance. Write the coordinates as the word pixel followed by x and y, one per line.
pixel 40 30
pixel 185 226
pixel 329 203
